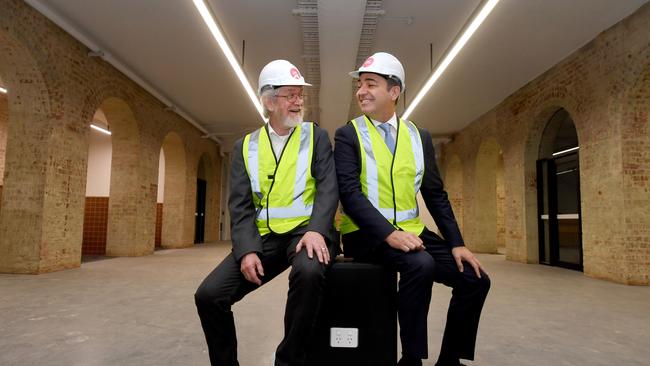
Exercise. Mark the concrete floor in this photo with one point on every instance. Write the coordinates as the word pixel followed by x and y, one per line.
pixel 140 311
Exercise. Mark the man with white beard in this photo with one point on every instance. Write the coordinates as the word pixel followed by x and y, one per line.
pixel 283 197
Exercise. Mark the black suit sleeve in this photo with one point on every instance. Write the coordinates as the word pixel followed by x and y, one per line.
pixel 348 172
pixel 327 194
pixel 245 235
pixel 435 196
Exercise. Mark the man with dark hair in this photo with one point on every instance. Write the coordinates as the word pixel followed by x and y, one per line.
pixel 381 164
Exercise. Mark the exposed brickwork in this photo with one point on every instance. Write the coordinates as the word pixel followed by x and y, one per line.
pixel 501 206
pixel 54 90
pixel 453 179
pixel 605 87
pixel 4 116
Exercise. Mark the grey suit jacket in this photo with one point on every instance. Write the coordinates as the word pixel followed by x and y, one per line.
pixel 246 237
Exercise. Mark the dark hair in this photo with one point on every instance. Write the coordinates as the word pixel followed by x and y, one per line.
pixel 392 81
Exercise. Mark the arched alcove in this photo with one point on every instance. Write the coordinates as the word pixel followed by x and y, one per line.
pixel 98 178
pixel 124 198
pixel 558 192
pixel 174 191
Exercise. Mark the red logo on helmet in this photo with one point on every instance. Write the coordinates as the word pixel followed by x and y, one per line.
pixel 368 62
pixel 295 73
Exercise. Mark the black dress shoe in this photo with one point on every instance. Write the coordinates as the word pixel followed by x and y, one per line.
pixel 409 361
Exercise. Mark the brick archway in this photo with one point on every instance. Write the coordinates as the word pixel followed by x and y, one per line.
pixel 175 191
pixel 554 100
pixel 124 206
pixel 208 171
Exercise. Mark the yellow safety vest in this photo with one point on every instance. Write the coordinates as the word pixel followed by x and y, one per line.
pixel 390 181
pixel 283 189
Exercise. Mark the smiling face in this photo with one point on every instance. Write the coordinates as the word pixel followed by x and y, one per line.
pixel 285 108
pixel 375 99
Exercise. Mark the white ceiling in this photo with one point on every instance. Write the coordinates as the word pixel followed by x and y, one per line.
pixel 168 47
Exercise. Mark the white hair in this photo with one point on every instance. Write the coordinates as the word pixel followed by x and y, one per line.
pixel 267 92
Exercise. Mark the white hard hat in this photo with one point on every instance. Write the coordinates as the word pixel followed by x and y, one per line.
pixel 385 64
pixel 280 73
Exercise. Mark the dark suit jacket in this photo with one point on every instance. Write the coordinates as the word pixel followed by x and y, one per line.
pixel 374 227
pixel 245 235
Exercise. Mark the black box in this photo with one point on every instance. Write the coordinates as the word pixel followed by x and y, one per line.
pixel 362 296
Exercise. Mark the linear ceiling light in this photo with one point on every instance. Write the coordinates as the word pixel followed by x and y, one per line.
pixel 102 130
pixel 225 48
pixel 566 151
pixel 3 90
pixel 449 57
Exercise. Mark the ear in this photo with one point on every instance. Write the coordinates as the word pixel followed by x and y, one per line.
pixel 394 93
pixel 268 103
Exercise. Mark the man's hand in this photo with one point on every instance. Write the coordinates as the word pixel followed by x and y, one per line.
pixel 251 268
pixel 404 241
pixel 461 254
pixel 314 243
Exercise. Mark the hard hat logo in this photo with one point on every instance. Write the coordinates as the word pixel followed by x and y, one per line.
pixel 368 62
pixel 295 73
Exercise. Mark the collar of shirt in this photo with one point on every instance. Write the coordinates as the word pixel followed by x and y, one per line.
pixel 278 141
pixel 392 122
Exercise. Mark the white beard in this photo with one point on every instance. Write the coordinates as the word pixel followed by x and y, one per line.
pixel 291 122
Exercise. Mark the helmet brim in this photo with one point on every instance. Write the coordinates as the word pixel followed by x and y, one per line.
pixel 281 85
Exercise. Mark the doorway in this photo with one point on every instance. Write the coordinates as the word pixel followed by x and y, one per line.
pixel 558 195
pixel 199 227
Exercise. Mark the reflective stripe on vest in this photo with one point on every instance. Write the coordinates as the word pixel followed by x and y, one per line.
pixel 289 179
pixel 400 170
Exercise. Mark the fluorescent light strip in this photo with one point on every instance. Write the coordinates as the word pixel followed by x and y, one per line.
pixel 221 40
pixel 460 43
pixel 566 171
pixel 566 151
pixel 100 129
pixel 3 90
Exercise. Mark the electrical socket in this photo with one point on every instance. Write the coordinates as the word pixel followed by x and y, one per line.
pixel 344 337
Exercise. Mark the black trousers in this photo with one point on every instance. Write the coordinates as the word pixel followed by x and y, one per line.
pixel 226 285
pixel 418 271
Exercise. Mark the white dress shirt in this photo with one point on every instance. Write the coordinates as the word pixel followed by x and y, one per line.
pixel 278 141
pixel 393 126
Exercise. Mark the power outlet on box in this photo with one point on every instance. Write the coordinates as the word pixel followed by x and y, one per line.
pixel 344 337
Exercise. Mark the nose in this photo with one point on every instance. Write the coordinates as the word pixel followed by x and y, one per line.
pixel 361 91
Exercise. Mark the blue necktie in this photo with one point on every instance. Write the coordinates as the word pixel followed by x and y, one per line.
pixel 388 137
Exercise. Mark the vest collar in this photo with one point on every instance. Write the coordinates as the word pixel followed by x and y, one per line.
pixel 392 121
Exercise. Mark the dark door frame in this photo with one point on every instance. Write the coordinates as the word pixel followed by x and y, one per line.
pixel 199 227
pixel 553 221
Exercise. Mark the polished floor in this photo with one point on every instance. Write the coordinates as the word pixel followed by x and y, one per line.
pixel 140 311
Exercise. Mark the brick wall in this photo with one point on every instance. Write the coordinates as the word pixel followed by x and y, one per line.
pixel 54 91
pixel 3 133
pixel 3 138
pixel 605 87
